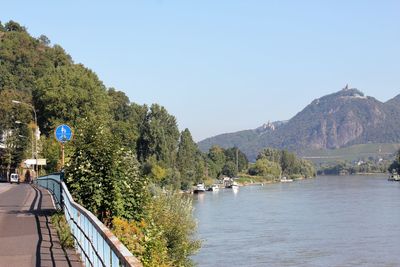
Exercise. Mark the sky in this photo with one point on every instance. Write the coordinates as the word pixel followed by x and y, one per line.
pixel 227 65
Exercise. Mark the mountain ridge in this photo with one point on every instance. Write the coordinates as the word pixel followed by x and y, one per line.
pixel 337 120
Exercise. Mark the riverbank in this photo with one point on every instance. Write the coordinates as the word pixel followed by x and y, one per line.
pixel 355 174
pixel 261 180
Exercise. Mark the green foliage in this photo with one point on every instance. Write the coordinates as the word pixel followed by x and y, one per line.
pixel 165 236
pixel 229 169
pixel 110 134
pixel 395 166
pixel 265 167
pixel 127 118
pixel 232 153
pixel 144 241
pixel 217 160
pixel 189 161
pixel 370 165
pixel 223 161
pixel 159 136
pixel 103 176
pixel 13 26
pixel 51 152
pixel 64 234
pixel 68 93
pixel 281 162
pixel 172 213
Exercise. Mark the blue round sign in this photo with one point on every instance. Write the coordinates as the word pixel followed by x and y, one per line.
pixel 63 133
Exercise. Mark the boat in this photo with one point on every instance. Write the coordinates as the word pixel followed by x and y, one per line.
pixel 199 189
pixel 213 188
pixel 233 185
pixel 394 177
pixel 286 180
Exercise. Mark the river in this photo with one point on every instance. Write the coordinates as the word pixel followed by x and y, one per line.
pixel 327 221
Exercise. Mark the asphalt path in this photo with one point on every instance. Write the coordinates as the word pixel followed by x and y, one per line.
pixel 27 237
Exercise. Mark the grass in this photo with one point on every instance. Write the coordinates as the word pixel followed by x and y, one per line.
pixel 63 231
pixel 246 179
pixel 351 153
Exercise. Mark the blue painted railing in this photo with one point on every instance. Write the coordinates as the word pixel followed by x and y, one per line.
pixel 95 243
pixel 52 183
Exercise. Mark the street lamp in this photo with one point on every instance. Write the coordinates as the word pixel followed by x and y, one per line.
pixel 36 128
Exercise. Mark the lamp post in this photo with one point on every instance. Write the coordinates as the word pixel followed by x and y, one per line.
pixel 36 129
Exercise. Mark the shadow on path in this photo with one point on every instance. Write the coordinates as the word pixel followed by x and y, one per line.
pixel 27 237
pixel 48 250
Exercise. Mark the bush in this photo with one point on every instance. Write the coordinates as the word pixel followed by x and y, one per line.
pixel 63 231
pixel 165 237
pixel 172 213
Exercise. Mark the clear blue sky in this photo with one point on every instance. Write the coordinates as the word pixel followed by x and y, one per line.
pixel 226 65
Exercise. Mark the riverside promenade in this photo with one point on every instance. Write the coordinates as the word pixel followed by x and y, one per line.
pixel 27 237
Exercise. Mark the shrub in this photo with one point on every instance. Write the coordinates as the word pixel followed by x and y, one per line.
pixel 63 231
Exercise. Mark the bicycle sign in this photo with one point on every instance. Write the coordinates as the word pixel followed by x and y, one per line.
pixel 63 133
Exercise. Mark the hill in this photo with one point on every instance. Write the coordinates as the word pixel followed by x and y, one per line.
pixel 342 119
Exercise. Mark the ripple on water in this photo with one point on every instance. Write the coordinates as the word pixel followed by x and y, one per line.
pixel 329 221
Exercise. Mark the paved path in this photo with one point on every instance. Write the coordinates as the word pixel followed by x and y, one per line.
pixel 27 237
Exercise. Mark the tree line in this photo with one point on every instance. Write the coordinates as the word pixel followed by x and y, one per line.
pixel 278 163
pixel 121 155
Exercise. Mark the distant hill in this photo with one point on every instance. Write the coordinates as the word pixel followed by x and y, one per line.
pixel 338 120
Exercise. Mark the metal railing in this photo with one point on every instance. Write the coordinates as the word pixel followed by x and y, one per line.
pixel 52 183
pixel 96 244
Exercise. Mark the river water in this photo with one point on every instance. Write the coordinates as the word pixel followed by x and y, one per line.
pixel 327 221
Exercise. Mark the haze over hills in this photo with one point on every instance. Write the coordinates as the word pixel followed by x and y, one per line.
pixel 341 119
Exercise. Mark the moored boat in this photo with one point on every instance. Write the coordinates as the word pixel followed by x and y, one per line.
pixel 199 189
pixel 234 186
pixel 214 188
pixel 394 177
pixel 286 180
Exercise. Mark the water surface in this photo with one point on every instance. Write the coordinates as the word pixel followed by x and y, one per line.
pixel 328 221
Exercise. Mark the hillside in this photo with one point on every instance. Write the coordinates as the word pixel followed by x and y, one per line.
pixel 338 120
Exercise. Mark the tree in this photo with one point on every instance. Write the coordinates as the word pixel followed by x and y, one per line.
pixel 159 136
pixel 232 153
pixel 217 160
pixel 229 169
pixel 187 158
pixel 270 154
pixel 51 152
pixel 103 176
pixel 13 26
pixel 289 164
pixel 172 212
pixel 264 167
pixel 127 118
pixel 68 93
pixel 395 166
pixel 43 39
pixel 17 136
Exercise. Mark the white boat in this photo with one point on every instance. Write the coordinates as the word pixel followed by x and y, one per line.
pixel 199 189
pixel 214 188
pixel 394 177
pixel 235 185
pixel 286 180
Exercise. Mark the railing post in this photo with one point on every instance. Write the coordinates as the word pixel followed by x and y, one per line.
pixel 61 192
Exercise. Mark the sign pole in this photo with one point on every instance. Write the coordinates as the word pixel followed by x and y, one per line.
pixel 62 156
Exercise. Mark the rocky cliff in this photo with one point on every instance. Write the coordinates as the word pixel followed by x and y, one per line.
pixel 337 120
